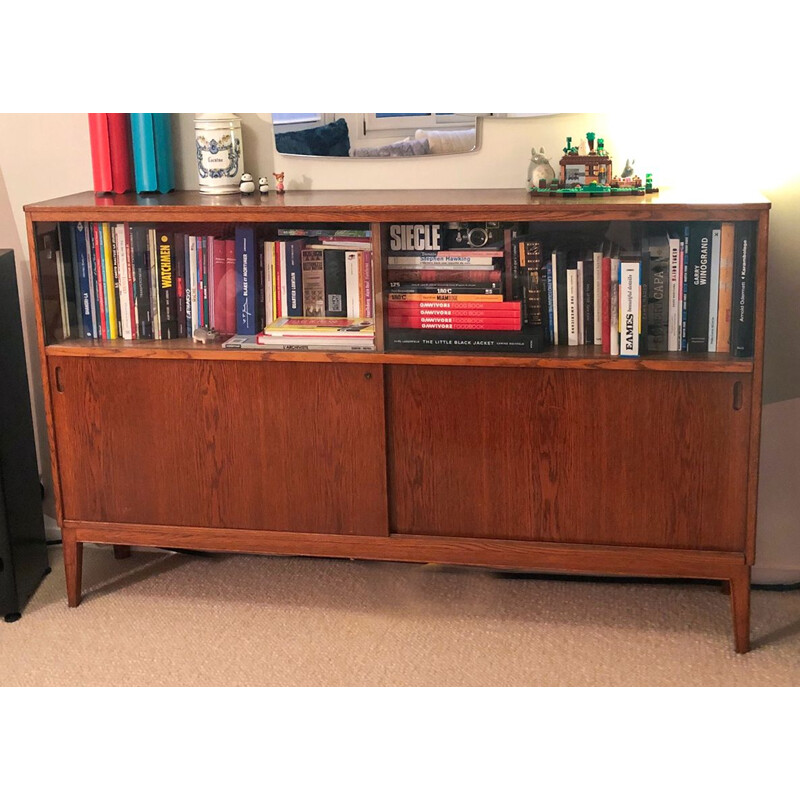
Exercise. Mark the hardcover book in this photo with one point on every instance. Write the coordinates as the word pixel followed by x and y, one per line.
pixel 725 287
pixel 167 287
pixel 713 300
pixel 313 266
pixel 465 341
pixel 629 308
pixel 335 282
pixel 743 291
pixel 699 288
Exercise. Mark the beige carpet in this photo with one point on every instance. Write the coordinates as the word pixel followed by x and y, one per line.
pixel 163 619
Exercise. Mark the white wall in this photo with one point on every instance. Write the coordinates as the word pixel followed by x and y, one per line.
pixel 44 156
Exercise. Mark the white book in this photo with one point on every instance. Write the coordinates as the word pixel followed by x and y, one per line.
pixel 614 307
pixel 597 296
pixel 351 272
pixel 573 303
pixel 629 307
pixel 122 277
pixel 713 298
pixel 579 300
pixel 674 293
pixel 195 286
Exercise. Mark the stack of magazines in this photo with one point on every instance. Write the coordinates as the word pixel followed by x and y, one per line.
pixel 307 333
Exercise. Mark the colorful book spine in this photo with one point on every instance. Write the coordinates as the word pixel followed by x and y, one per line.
pixel 118 232
pixel 162 144
pixel 605 305
pixel 444 276
pixel 119 137
pixel 144 152
pixel 478 324
pixel 101 153
pixel 433 297
pixel 725 287
pixel 179 271
pixel 167 288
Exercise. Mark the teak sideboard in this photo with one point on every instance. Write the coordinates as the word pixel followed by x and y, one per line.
pixel 566 461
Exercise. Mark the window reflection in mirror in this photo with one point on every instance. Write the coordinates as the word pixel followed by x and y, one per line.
pixel 381 135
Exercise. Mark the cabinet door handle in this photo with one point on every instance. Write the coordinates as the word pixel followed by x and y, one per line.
pixel 59 385
pixel 368 375
pixel 738 396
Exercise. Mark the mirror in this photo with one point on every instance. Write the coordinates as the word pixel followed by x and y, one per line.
pixel 375 135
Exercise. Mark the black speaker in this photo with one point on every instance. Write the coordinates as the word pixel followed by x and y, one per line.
pixel 23 549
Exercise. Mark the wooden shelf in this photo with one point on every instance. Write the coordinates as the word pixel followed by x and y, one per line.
pixel 453 205
pixel 583 357
pixel 567 460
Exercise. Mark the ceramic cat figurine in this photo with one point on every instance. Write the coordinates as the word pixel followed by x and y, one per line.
pixel 539 169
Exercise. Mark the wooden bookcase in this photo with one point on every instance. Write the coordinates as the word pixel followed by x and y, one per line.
pixel 565 461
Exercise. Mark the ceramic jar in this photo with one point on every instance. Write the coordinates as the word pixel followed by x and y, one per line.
pixel 218 139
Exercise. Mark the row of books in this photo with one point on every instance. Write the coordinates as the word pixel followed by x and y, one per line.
pixel 450 290
pixel 130 281
pixel 318 274
pixel 691 290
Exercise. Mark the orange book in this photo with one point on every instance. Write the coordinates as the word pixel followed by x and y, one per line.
pixel 101 152
pixel 725 288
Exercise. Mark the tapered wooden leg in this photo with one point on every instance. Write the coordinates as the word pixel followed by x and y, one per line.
pixel 73 566
pixel 122 551
pixel 740 606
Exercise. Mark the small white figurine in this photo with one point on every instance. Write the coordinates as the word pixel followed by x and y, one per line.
pixel 205 335
pixel 539 169
pixel 246 185
pixel 263 186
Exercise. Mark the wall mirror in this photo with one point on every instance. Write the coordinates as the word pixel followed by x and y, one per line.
pixel 389 135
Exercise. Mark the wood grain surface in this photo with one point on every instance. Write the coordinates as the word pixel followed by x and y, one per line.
pixel 271 446
pixel 654 460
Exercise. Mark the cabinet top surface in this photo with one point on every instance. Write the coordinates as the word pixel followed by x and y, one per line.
pixel 385 205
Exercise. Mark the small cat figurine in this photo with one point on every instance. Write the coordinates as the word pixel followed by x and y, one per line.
pixel 539 169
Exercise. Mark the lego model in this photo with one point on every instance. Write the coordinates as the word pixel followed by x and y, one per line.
pixel 591 175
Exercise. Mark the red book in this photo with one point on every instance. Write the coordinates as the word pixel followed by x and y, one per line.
pixel 511 308
pixel 606 305
pixel 119 138
pixel 219 249
pixel 443 303
pixel 444 276
pixel 478 323
pixel 101 153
